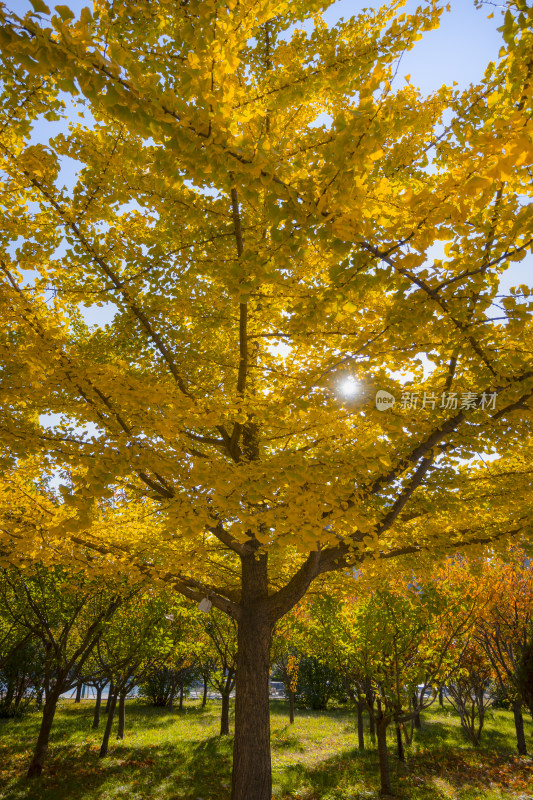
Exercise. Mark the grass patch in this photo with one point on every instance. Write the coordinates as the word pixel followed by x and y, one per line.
pixel 179 756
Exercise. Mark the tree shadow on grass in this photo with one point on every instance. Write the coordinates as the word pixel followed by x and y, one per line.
pixel 182 771
pixel 354 774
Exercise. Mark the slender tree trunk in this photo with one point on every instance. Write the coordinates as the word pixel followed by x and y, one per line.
pixel 121 715
pixel 96 717
pixel 109 724
pixel 519 727
pixel 204 698
pixel 372 726
pixel 252 778
pixel 384 771
pixel 110 693
pixel 441 697
pixel 182 692
pixel 291 707
pixel 10 693
pixel 39 754
pixel 170 701
pixel 78 692
pixel 401 754
pixel 360 725
pixel 369 696
pixel 417 720
pixel 224 714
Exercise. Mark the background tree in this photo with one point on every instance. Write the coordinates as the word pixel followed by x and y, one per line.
pixel 471 690
pixel 135 641
pixel 220 632
pixel 65 612
pixel 506 626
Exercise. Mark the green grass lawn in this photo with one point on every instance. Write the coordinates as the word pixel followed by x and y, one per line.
pixel 179 756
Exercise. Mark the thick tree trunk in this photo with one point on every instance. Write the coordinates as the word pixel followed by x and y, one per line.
pixel 204 698
pixel 121 715
pixel 98 706
pixel 109 724
pixel 384 771
pixel 39 754
pixel 78 692
pixel 252 779
pixel 519 727
pixel 291 707
pixel 360 725
pixel 224 714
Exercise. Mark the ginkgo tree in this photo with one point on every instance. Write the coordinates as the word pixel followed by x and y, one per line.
pixel 267 210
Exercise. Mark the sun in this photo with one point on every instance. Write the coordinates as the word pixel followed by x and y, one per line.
pixel 349 387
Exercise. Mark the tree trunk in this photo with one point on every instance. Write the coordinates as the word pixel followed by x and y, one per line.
pixel 109 723
pixel 170 701
pixel 78 692
pixel 204 698
pixel 224 714
pixel 441 697
pixel 121 715
pixel 110 693
pixel 401 754
pixel 519 727
pixel 8 699
pixel 182 692
pixel 417 721
pixel 252 778
pixel 369 695
pixel 96 717
pixel 360 725
pixel 291 707
pixel 39 754
pixel 384 771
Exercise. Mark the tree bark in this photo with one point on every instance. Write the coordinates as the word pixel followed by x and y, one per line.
pixel 39 754
pixel 251 778
pixel 369 697
pixel 110 693
pixel 417 721
pixel 78 692
pixel 360 725
pixel 441 697
pixel 384 771
pixel 401 754
pixel 182 692
pixel 291 707
pixel 170 701
pixel 98 706
pixel 519 727
pixel 204 698
pixel 121 715
pixel 109 723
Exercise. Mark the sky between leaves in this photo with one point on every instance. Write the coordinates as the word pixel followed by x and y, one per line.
pixel 457 52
